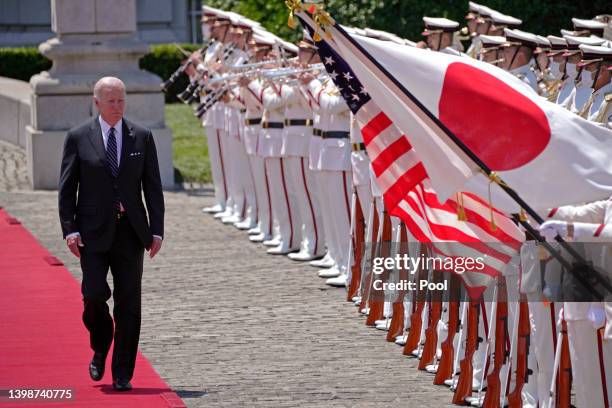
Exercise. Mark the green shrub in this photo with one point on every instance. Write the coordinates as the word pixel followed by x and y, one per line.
pixel 163 60
pixel 21 63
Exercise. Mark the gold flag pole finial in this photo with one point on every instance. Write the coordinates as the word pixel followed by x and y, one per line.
pixel 293 6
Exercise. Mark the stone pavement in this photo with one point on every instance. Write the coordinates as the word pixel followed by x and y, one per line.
pixel 227 325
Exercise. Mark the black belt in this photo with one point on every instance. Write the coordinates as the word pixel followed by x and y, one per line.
pixel 358 147
pixel 335 135
pixel 242 110
pixel 317 132
pixel 252 121
pixel 272 125
pixel 298 122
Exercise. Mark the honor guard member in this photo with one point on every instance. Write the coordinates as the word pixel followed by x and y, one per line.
pixel 441 35
pixel 579 96
pixel 560 80
pixel 596 60
pixel 218 33
pixel 334 178
pixel 240 182
pixel 225 115
pixel 295 150
pixel 501 21
pixel 490 50
pixel 518 56
pixel 589 341
pixel 542 62
pixel 251 92
pixel 314 89
pixel 471 20
pixel 270 146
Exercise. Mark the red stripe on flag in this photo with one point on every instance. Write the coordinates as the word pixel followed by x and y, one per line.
pixel 374 127
pixel 404 184
pixel 388 156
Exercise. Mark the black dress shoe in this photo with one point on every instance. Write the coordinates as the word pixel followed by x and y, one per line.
pixel 96 367
pixel 122 385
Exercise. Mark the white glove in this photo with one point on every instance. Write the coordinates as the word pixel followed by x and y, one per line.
pixel 550 229
pixel 597 315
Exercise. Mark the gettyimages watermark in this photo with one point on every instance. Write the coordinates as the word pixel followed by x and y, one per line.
pixel 399 271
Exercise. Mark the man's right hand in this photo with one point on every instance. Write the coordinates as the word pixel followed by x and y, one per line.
pixel 74 243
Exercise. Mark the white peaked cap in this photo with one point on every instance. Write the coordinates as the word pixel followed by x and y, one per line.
pixel 440 22
pixel 595 49
pixel 500 19
pixel 475 7
pixel 588 24
pixel 543 41
pixel 557 41
pixel 520 35
pixel 573 40
pixel 492 39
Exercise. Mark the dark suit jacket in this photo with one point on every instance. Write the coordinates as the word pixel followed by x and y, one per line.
pixel 87 188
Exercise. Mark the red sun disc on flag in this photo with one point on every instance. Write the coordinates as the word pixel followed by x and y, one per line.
pixel 503 127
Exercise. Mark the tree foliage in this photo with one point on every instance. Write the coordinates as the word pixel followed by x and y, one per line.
pixel 404 17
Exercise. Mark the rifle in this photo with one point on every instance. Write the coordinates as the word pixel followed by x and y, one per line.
pixel 445 364
pixel 522 370
pixel 396 328
pixel 430 347
pixel 418 302
pixel 376 306
pixel 464 384
pixel 366 278
pixel 493 395
pixel 358 237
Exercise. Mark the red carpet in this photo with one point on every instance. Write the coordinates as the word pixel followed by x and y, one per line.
pixel 43 343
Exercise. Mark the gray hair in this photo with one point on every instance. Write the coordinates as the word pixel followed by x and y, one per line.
pixel 107 83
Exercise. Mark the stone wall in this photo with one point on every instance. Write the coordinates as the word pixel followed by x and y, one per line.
pixel 15 97
pixel 28 22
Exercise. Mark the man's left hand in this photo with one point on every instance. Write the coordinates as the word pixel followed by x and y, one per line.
pixel 156 245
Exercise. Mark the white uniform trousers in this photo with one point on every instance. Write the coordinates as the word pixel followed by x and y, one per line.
pixel 335 187
pixel 543 318
pixel 591 358
pixel 235 177
pixel 301 185
pixel 215 154
pixel 262 194
pixel 283 204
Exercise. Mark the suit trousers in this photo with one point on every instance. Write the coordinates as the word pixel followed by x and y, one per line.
pixel 125 260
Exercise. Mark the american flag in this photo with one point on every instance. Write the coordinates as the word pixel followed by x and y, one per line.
pixel 407 193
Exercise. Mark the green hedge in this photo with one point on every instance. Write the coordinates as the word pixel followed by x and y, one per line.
pixel 163 61
pixel 21 63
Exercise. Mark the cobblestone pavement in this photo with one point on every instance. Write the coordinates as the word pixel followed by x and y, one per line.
pixel 227 325
pixel 13 168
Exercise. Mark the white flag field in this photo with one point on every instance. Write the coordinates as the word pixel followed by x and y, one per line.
pixel 548 155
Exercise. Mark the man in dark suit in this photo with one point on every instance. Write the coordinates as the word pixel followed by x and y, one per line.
pixel 107 165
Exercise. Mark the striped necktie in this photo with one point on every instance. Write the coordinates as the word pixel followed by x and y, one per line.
pixel 111 158
pixel 111 152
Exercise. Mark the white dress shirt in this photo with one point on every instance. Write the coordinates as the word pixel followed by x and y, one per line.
pixel 118 135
